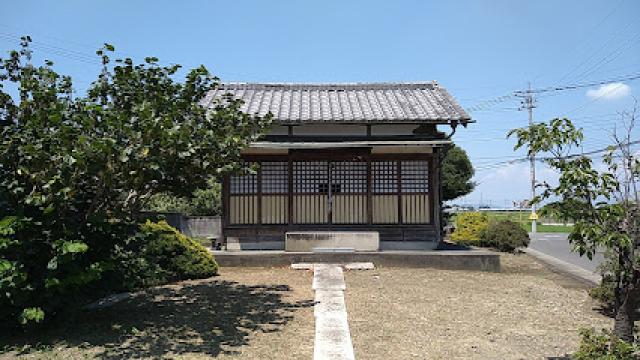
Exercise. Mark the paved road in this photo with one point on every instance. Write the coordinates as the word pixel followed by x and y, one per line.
pixel 557 245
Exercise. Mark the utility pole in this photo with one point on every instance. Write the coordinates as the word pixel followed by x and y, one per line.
pixel 528 102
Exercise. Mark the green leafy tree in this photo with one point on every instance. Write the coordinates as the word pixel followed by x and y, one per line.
pixel 74 171
pixel 603 204
pixel 457 172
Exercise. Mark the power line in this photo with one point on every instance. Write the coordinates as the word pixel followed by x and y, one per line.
pixel 615 88
pixel 579 86
pixel 487 105
pixel 607 59
pixel 484 105
pixel 586 36
pixel 70 54
pixel 542 159
pixel 587 59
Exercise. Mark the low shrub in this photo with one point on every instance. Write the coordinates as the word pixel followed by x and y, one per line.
pixel 604 292
pixel 504 235
pixel 159 254
pixel 604 346
pixel 203 202
pixel 469 226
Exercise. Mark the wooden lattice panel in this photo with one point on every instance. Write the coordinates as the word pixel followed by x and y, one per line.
pixel 384 192
pixel 338 192
pixel 274 182
pixel 310 192
pixel 349 188
pixel 243 201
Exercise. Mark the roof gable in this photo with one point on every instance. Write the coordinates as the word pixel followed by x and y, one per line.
pixel 345 103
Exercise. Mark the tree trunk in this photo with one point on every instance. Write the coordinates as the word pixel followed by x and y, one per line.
pixel 623 325
pixel 625 314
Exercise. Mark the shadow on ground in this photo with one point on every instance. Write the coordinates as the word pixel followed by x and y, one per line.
pixel 446 245
pixel 209 317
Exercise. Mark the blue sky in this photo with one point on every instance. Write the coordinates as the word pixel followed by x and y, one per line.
pixel 479 50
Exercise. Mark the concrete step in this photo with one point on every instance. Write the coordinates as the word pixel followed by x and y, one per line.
pixel 333 250
pixel 303 241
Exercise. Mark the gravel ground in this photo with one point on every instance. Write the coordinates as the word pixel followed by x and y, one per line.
pixel 525 312
pixel 241 314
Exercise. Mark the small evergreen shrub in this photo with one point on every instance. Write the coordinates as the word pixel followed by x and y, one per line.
pixel 469 226
pixel 159 254
pixel 604 346
pixel 504 235
pixel 605 291
pixel 203 202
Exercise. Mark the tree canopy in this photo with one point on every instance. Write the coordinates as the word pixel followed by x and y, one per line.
pixel 603 203
pixel 75 170
pixel 457 172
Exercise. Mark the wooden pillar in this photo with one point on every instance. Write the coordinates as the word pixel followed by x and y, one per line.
pixel 290 189
pixel 259 193
pixel 436 189
pixel 226 183
pixel 399 175
pixel 369 199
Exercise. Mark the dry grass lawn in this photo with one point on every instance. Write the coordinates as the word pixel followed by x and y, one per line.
pixel 241 314
pixel 525 312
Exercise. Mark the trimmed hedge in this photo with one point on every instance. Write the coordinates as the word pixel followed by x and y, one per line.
pixel 160 254
pixel 476 229
pixel 504 235
pixel 469 227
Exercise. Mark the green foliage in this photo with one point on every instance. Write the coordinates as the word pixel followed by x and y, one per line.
pixel 604 346
pixel 457 172
pixel 586 195
pixel 159 254
pixel 504 235
pixel 203 202
pixel 603 204
pixel 604 292
pixel 469 227
pixel 35 277
pixel 28 315
pixel 74 170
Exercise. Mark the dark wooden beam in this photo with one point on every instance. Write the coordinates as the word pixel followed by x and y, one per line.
pixel 259 185
pixel 290 191
pixel 399 176
pixel 369 198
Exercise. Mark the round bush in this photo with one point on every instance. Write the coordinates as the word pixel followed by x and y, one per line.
pixel 159 254
pixel 504 236
pixel 469 227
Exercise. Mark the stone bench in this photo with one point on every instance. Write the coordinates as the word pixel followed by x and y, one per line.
pixel 309 241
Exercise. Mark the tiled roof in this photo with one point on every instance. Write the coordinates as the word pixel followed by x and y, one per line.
pixel 346 103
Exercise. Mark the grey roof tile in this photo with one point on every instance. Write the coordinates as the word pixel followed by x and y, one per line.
pixel 345 103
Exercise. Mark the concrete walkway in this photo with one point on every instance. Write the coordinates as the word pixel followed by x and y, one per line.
pixel 332 338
